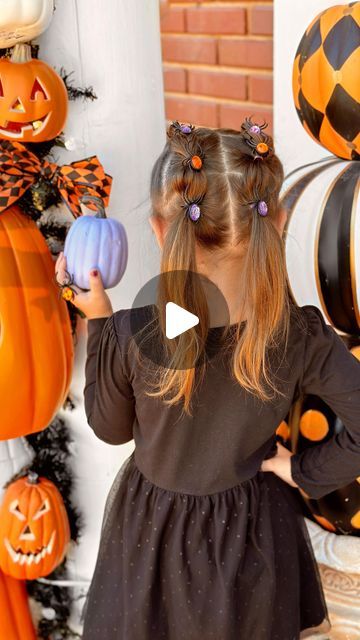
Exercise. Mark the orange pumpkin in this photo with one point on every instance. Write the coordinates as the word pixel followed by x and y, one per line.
pixel 33 98
pixel 15 618
pixel 34 528
pixel 36 345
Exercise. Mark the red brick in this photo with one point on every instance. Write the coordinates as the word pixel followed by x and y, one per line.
pixel 215 20
pixel 189 49
pixel 174 79
pixel 217 83
pixel 246 52
pixel 232 115
pixel 260 20
pixel 261 88
pixel 198 112
pixel 172 19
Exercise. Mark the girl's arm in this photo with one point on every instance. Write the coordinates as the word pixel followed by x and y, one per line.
pixel 331 372
pixel 108 395
pixel 109 401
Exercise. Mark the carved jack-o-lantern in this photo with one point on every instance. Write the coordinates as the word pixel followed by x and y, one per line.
pixel 34 528
pixel 33 98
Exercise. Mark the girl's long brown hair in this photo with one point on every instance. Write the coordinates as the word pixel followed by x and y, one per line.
pixel 230 179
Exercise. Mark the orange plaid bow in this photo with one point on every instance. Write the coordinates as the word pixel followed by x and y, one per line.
pixel 20 169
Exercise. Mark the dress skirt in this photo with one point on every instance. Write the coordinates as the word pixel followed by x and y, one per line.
pixel 232 565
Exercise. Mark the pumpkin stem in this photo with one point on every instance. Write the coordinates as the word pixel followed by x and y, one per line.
pixel 21 53
pixel 33 477
pixel 98 202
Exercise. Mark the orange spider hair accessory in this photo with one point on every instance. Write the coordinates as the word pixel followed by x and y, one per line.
pixel 262 148
pixel 196 162
pixel 68 294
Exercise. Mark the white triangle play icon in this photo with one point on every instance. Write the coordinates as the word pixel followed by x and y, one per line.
pixel 178 320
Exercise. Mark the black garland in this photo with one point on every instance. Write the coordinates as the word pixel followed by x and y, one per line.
pixel 54 600
pixel 74 93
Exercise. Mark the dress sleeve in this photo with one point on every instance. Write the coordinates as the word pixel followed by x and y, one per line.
pixel 331 372
pixel 108 396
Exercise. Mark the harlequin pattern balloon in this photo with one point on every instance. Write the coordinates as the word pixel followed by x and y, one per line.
pixel 15 618
pixel 33 98
pixel 322 240
pixel 23 20
pixel 96 241
pixel 36 346
pixel 312 423
pixel 326 80
pixel 34 528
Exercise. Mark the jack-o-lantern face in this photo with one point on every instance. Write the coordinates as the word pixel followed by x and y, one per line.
pixel 33 99
pixel 34 529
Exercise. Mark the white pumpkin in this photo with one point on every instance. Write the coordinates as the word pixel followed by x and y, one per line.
pixel 23 20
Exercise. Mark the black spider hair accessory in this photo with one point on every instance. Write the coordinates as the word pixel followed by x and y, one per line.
pixel 178 127
pixel 255 138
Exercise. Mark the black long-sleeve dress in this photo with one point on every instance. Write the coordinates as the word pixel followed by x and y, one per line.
pixel 197 542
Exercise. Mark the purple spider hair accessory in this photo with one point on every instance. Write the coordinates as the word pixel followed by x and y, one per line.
pixel 262 208
pixel 194 212
pixel 185 128
pixel 255 128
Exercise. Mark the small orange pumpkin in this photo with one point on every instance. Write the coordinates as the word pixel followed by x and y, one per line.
pixel 33 98
pixel 36 345
pixel 15 619
pixel 34 528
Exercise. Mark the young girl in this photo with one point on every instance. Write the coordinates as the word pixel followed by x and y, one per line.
pixel 203 535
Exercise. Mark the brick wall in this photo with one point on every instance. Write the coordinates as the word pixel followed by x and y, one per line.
pixel 218 60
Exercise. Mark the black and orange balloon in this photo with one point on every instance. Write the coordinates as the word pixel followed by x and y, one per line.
pixel 326 80
pixel 322 239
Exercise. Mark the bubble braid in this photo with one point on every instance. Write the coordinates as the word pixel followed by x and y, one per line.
pixel 185 142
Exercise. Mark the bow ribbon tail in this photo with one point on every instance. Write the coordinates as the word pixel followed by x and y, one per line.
pixel 86 177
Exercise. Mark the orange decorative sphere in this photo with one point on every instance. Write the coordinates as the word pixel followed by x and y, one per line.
pixel 326 80
pixel 314 425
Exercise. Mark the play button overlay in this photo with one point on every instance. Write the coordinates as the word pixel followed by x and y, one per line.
pixel 177 320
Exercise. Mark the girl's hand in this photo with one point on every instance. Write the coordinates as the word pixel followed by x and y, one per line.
pixel 94 303
pixel 280 464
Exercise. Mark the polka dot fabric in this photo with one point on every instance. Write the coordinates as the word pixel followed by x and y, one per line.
pixel 231 565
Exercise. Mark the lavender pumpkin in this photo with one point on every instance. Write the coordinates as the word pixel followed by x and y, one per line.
pixel 96 241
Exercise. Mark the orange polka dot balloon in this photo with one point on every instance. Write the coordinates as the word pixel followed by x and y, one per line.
pixel 326 80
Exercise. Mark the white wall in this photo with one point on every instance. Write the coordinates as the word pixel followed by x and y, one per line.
pixel 115 47
pixel 292 17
